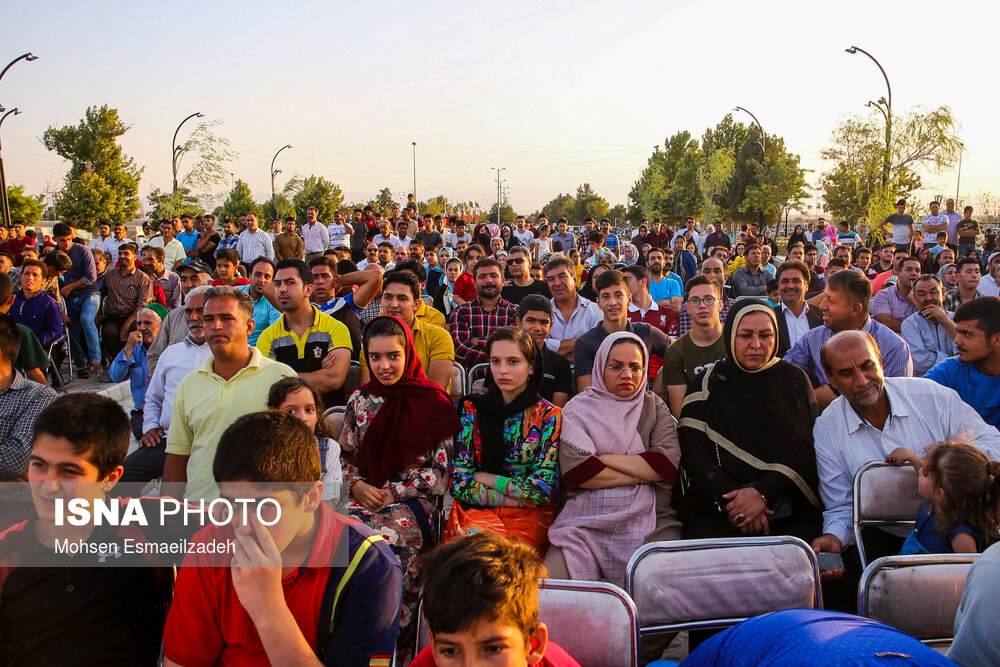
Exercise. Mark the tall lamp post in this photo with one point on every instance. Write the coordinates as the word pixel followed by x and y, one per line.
pixel 24 56
pixel 763 153
pixel 498 170
pixel 3 178
pixel 275 172
pixel 176 150
pixel 887 113
pixel 414 144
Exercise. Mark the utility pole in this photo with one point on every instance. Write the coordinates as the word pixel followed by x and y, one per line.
pixel 3 178
pixel 415 174
pixel 958 185
pixel 499 191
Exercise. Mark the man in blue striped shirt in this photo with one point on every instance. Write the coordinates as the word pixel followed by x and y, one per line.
pixel 254 242
pixel 845 308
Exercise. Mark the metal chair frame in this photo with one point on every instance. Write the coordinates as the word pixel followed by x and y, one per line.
pixel 859 523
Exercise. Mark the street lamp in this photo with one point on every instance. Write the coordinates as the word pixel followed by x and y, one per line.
pixel 762 142
pixel 176 150
pixel 878 105
pixel 3 178
pixel 415 173
pixel 888 113
pixel 24 56
pixel 275 172
pixel 498 170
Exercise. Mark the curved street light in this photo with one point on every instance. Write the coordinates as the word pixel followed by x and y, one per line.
pixel 177 150
pixel 762 142
pixel 4 203
pixel 24 56
pixel 888 112
pixel 878 105
pixel 275 172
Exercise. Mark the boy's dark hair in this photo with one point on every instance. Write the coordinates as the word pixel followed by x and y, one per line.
pixel 487 263
pixel 10 337
pixel 397 276
pixel 6 288
pixel 230 255
pixel 95 426
pixel 963 261
pixel 61 229
pixel 324 260
pixel 608 279
pixel 772 285
pixel 268 447
pixel 637 272
pixel 304 273
pixel 260 259
pixel 60 261
pixel 985 309
pixel 702 280
pixel 852 283
pixel 595 237
pixel 5 253
pixel 412 266
pixel 535 302
pixel 480 577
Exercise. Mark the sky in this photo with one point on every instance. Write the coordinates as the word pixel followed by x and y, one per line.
pixel 556 93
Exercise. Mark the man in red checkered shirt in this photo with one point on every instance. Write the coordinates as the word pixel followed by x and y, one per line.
pixel 473 322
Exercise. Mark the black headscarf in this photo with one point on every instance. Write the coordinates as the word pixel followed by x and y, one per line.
pixel 492 412
pixel 767 413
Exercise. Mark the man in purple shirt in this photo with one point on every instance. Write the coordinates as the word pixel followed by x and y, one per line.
pixel 34 308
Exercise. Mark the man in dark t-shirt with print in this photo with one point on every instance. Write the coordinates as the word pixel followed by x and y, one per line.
pixel 901 225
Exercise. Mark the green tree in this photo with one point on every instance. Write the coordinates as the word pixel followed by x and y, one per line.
pixel 169 204
pixel 317 191
pixel 384 202
pixel 714 174
pixel 434 206
pixel 589 204
pixel 617 212
pixel 667 188
pixel 211 152
pixel 24 208
pixel 238 203
pixel 507 214
pixel 102 182
pixel 278 207
pixel 561 206
pixel 922 140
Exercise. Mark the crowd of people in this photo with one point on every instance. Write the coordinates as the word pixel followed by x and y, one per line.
pixel 682 383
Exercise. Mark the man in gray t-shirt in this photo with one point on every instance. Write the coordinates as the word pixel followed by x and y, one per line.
pixel 902 225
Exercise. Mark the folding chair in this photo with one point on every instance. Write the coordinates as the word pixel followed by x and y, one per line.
pixel 595 622
pixel 715 583
pixel 429 300
pixel 457 381
pixel 334 418
pixel 476 374
pixel 885 495
pixel 54 369
pixel 917 594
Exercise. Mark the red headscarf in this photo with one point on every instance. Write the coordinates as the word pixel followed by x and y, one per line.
pixel 416 416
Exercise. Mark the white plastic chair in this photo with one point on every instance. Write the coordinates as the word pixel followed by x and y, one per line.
pixel 477 372
pixel 595 622
pixel 429 300
pixel 715 583
pixel 885 495
pixel 918 594
pixel 457 381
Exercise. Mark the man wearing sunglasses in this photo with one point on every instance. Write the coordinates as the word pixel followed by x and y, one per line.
pixel 521 283
pixel 371 256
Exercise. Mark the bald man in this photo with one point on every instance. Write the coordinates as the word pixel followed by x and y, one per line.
pixel 873 416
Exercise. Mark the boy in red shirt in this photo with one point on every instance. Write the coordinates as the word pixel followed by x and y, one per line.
pixel 481 603
pixel 311 589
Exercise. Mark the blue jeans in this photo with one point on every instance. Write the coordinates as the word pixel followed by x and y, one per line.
pixel 82 309
pixel 965 248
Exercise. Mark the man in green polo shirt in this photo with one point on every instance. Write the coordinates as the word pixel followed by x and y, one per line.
pixel 233 382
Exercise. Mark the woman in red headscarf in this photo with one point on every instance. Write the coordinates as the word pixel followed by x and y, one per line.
pixel 397 439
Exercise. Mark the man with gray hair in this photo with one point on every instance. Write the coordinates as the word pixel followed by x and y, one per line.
pixel 233 382
pixel 130 363
pixel 175 328
pixel 178 360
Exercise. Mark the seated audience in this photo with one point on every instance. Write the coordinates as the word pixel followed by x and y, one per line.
pixel 746 438
pixel 34 308
pixel 31 357
pixel 618 471
pixel 289 597
pixel 930 332
pixel 481 602
pixel 572 314
pixel 474 321
pixel 975 372
pixel 534 315
pixel 795 316
pixel 130 364
pixel 505 475
pixel 894 304
pixel 393 471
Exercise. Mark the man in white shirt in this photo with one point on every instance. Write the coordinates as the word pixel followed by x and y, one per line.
pixel 340 230
pixel 315 235
pixel 933 223
pixel 989 284
pixel 179 359
pixel 873 416
pixel 254 242
pixel 572 314
pixel 459 235
pixel 795 317
pixel 173 250
pixel 954 217
pixel 385 234
pixel 523 235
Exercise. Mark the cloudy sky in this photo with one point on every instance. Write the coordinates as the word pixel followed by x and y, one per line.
pixel 558 93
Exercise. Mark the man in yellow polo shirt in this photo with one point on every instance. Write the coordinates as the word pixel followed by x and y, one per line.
pixel 434 346
pixel 233 382
pixel 303 337
pixel 425 313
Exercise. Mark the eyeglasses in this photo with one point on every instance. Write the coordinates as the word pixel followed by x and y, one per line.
pixel 517 260
pixel 633 369
pixel 707 300
pixel 371 249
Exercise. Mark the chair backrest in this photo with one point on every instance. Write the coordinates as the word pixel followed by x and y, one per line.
pixel 917 594
pixel 714 583
pixel 457 380
pixel 595 622
pixel 884 495
pixel 353 379
pixel 477 372
pixel 429 300
pixel 335 420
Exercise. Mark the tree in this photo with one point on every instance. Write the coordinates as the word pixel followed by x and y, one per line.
pixel 507 214
pixel 589 204
pixel 316 191
pixel 434 206
pixel 617 213
pixel 169 204
pixel 561 206
pixel 24 208
pixel 714 174
pixel 384 202
pixel 667 188
pixel 987 208
pixel 277 207
pixel 102 182
pixel 922 140
pixel 238 203
pixel 211 153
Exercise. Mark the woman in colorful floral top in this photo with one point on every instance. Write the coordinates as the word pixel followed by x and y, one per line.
pixel 398 434
pixel 505 473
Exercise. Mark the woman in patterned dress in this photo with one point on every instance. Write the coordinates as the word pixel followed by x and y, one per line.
pixel 505 474
pixel 398 433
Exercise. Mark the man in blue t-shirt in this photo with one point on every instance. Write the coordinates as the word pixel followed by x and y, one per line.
pixel 975 373
pixel 610 239
pixel 667 291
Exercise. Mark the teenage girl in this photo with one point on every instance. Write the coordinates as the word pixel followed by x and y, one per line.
pixel 960 510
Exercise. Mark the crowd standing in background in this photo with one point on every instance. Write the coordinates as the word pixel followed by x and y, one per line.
pixel 605 366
